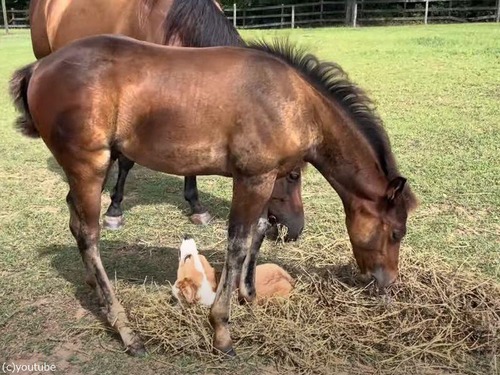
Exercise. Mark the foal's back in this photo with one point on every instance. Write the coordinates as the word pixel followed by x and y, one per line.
pixel 178 110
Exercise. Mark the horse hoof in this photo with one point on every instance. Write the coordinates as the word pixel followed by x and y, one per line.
pixel 201 219
pixel 227 352
pixel 113 222
pixel 230 353
pixel 137 350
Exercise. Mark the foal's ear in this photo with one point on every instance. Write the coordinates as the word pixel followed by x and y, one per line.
pixel 395 188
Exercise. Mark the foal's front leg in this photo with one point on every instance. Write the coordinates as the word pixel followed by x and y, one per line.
pixel 250 196
pixel 247 278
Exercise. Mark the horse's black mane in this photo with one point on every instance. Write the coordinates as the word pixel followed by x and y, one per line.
pixel 330 79
pixel 199 23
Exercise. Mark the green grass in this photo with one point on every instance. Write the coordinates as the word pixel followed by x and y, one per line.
pixel 438 91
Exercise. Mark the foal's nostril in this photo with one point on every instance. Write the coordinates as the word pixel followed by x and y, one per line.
pixel 272 220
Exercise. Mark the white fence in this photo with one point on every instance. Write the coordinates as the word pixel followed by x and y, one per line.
pixel 336 12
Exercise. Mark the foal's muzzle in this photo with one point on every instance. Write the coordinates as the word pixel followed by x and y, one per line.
pixel 382 277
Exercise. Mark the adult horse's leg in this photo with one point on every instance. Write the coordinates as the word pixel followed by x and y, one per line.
pixel 199 215
pixel 113 218
pixel 250 197
pixel 84 202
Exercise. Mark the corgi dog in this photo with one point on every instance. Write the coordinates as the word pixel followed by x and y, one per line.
pixel 197 283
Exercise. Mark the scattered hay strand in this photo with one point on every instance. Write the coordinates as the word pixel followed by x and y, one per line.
pixel 436 319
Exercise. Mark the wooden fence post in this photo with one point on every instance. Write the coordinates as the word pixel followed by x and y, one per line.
pixel 5 21
pixel 498 11
pixel 355 14
pixel 282 15
pixel 234 15
pixel 350 5
pixel 347 12
pixel 321 14
pixel 426 11
pixel 293 16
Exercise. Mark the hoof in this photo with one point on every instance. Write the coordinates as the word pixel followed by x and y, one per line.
pixel 246 300
pixel 230 353
pixel 137 350
pixel 113 222
pixel 226 352
pixel 200 219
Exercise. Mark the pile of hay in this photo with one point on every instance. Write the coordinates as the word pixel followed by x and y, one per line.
pixel 437 319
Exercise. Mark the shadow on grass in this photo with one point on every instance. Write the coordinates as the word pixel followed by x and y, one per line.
pixel 133 263
pixel 347 274
pixel 138 264
pixel 147 187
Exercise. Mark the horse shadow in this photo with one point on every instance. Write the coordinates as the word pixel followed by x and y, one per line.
pixel 147 187
pixel 138 264
pixel 132 263
pixel 346 273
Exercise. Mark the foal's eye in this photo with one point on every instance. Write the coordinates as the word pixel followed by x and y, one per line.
pixel 397 235
pixel 294 176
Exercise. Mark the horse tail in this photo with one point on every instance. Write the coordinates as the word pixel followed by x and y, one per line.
pixel 19 94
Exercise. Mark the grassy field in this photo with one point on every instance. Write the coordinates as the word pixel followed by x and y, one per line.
pixel 437 89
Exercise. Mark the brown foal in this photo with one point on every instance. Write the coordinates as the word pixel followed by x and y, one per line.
pixel 253 114
pixel 183 23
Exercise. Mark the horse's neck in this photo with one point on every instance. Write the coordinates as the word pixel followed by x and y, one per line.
pixel 346 159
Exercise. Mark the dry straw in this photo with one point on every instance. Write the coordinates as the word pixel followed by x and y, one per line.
pixel 436 319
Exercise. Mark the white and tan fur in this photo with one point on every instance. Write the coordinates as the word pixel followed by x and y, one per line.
pixel 196 282
pixel 196 279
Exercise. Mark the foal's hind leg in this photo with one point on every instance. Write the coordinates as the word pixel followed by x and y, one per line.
pixel 84 201
pixel 250 197
pixel 199 215
pixel 113 218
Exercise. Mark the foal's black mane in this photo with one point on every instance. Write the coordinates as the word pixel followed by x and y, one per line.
pixel 331 80
pixel 199 23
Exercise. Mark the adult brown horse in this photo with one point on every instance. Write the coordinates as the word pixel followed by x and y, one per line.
pixel 224 111
pixel 187 23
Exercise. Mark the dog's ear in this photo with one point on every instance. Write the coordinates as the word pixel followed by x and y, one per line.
pixel 188 290
pixel 186 258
